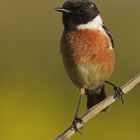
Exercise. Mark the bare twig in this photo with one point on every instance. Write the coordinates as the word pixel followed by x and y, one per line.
pixel 69 132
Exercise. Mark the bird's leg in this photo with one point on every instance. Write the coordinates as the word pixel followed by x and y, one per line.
pixel 76 118
pixel 118 91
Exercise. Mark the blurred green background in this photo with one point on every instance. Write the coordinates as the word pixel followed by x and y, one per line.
pixel 37 99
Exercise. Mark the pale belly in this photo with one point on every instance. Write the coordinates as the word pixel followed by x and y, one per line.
pixel 88 75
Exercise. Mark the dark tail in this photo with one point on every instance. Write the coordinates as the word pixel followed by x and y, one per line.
pixel 95 96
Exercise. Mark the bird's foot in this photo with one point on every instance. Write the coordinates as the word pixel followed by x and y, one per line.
pixel 74 124
pixel 118 93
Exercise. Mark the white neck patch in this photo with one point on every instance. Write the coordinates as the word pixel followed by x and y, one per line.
pixel 95 23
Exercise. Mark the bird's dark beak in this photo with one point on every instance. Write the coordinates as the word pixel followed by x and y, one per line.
pixel 63 10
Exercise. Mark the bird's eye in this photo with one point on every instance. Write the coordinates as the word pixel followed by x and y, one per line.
pixel 92 6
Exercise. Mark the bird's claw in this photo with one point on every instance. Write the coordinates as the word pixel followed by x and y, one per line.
pixel 74 124
pixel 118 93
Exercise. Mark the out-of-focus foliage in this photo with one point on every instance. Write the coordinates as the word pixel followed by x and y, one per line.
pixel 37 99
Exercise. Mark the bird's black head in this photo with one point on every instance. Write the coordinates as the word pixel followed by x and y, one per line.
pixel 76 12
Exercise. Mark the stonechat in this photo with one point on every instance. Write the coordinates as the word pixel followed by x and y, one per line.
pixel 87 50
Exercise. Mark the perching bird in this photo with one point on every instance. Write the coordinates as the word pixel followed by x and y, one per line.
pixel 87 49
